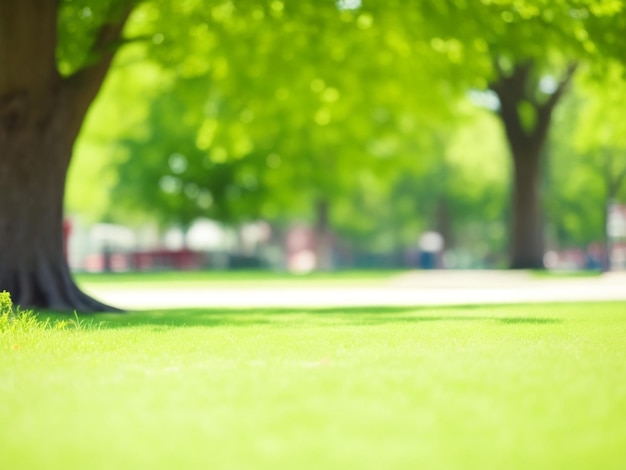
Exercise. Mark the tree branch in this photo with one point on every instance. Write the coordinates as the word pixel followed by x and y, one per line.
pixel 511 91
pixel 82 87
pixel 544 111
pixel 513 83
pixel 563 84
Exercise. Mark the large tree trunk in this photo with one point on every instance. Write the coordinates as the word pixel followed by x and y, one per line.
pixel 323 237
pixel 40 116
pixel 527 237
pixel 526 136
pixel 33 266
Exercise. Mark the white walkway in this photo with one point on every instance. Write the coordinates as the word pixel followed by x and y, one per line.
pixel 411 289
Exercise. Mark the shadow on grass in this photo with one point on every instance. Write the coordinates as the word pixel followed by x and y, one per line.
pixel 314 317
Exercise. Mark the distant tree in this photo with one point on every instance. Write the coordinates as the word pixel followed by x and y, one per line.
pixel 590 151
pixel 365 66
pixel 527 116
pixel 525 52
pixel 298 102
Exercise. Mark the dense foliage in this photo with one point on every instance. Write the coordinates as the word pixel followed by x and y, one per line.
pixel 256 110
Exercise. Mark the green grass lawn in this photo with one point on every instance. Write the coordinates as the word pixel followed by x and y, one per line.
pixel 489 387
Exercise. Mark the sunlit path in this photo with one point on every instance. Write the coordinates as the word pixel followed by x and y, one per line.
pixel 419 288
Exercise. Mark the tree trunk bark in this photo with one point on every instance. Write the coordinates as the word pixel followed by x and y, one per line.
pixel 527 239
pixel 40 116
pixel 35 151
pixel 322 237
pixel 526 136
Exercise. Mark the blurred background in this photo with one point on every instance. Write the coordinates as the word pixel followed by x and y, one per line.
pixel 323 135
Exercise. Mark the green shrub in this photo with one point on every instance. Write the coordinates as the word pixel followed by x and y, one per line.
pixel 6 304
pixel 15 319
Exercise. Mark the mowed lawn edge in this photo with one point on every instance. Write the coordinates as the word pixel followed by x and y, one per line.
pixel 522 386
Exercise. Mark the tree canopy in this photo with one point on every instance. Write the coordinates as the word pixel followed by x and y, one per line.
pixel 283 109
pixel 317 94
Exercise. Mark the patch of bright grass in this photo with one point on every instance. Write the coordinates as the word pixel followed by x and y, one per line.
pixel 566 273
pixel 506 387
pixel 15 322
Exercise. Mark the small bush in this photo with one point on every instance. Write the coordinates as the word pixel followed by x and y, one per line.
pixel 26 320
pixel 15 319
pixel 6 304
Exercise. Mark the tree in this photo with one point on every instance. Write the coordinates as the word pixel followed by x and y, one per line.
pixel 526 117
pixel 528 84
pixel 296 104
pixel 531 78
pixel 601 138
pixel 54 57
pixel 526 52
pixel 574 199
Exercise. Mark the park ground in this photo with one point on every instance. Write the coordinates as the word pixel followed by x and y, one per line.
pixel 308 384
pixel 353 288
